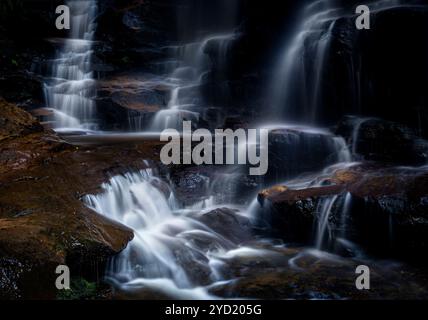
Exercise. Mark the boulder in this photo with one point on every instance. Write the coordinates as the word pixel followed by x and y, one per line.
pixel 229 224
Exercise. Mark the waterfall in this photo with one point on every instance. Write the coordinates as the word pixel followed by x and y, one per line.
pixel 290 86
pixel 343 152
pixel 172 251
pixel 296 88
pixel 205 34
pixel 186 101
pixel 345 214
pixel 337 240
pixel 325 208
pixel 134 200
pixel 71 88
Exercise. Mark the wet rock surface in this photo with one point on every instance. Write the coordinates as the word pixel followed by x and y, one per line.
pixel 387 213
pixel 43 221
pixel 229 224
pixel 296 273
pixel 129 102
pixel 385 141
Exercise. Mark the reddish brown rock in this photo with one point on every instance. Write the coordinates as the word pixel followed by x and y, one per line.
pixel 43 222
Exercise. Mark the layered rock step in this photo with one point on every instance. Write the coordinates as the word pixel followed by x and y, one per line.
pixel 382 209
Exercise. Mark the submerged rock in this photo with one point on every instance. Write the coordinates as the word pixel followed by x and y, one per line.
pixel 229 224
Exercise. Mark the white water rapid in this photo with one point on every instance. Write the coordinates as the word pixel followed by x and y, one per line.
pixel 173 252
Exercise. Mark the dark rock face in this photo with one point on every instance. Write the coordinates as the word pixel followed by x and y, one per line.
pixel 380 72
pixel 386 213
pixel 131 33
pixel 384 141
pixel 24 44
pixel 191 184
pixel 293 151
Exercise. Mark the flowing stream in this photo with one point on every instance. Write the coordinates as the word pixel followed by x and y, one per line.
pixel 176 251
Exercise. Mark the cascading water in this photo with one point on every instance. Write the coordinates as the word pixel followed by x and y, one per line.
pixel 71 88
pixel 178 254
pixel 299 97
pixel 205 32
pixel 186 79
pixel 324 211
pixel 292 92
pixel 290 81
pixel 134 201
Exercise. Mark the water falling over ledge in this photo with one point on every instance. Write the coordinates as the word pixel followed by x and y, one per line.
pixel 301 86
pixel 187 77
pixel 173 252
pixel 70 90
